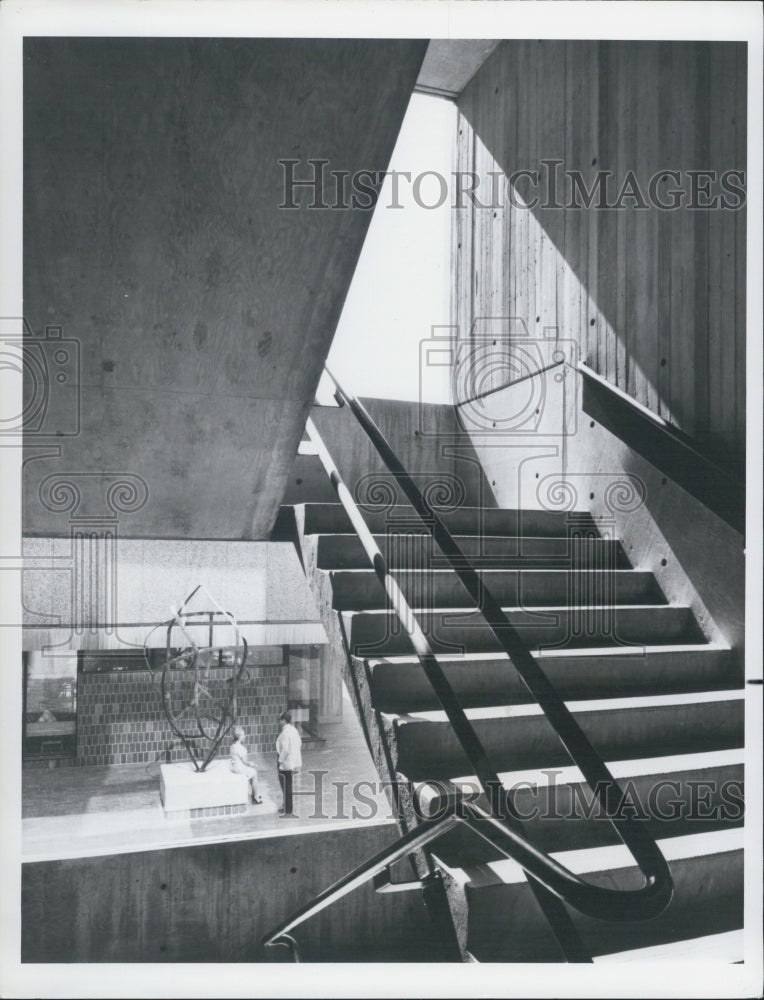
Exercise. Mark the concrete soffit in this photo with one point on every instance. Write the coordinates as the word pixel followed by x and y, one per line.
pixel 450 64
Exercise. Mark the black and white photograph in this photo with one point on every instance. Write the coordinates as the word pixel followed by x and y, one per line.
pixel 381 442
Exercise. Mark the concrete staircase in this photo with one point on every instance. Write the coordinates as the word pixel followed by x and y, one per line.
pixel 662 706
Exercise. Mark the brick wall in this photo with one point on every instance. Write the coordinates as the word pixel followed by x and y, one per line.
pixel 120 719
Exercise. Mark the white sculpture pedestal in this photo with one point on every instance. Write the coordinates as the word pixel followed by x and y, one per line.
pixel 190 794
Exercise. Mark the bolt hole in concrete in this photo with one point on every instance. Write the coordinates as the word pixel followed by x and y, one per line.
pixel 293 871
pixel 664 562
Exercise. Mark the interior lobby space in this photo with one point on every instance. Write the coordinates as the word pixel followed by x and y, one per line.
pixel 110 809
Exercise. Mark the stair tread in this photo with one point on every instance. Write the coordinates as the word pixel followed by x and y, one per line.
pixel 552 608
pixel 643 766
pixel 405 508
pixel 468 609
pixel 530 511
pixel 725 947
pixel 600 859
pixel 484 549
pixel 359 589
pixel 398 683
pixel 464 629
pixel 406 529
pixel 493 570
pixel 331 518
pixel 592 705
pixel 542 654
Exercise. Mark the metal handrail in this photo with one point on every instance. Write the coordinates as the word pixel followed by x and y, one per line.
pixel 365 872
pixel 470 815
pixel 550 881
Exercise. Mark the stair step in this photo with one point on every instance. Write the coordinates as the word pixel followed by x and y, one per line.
pixel 506 925
pixel 519 736
pixel 330 518
pixel 360 589
pixel 725 947
pixel 399 684
pixel 416 549
pixel 681 794
pixel 462 630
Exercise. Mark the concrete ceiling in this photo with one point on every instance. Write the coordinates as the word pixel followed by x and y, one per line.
pixel 197 312
pixel 450 64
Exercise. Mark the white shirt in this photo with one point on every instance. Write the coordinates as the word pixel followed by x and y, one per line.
pixel 288 748
pixel 239 762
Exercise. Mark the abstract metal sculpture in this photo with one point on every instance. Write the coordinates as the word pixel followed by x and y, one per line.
pixel 192 711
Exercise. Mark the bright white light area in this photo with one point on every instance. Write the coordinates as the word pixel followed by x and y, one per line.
pixel 401 287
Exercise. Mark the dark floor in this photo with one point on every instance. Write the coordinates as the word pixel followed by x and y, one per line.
pixel 82 811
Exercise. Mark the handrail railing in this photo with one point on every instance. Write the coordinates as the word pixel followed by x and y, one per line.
pixel 415 839
pixel 550 881
pixel 719 488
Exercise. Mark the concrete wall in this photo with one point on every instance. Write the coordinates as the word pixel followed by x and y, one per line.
pixel 426 437
pixel 697 558
pixel 94 590
pixel 213 903
pixel 653 300
pixel 196 313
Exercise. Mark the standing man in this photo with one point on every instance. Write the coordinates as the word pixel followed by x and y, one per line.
pixel 288 748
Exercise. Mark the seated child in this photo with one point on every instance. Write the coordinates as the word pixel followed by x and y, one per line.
pixel 240 764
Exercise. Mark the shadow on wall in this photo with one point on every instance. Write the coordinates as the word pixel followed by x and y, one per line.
pixel 652 297
pixel 425 436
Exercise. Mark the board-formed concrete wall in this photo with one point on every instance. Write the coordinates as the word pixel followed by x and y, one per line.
pixel 214 902
pixel 610 182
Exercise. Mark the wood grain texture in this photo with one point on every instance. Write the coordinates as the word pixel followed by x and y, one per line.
pixel 153 235
pixel 654 298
